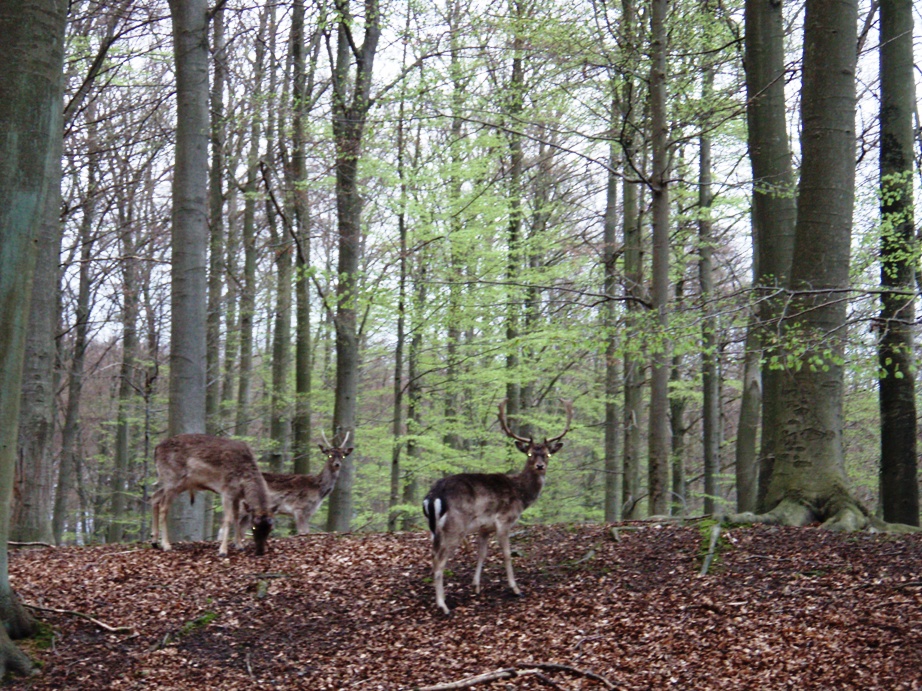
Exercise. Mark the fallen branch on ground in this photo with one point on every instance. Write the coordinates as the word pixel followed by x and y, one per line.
pixel 516 672
pixel 100 624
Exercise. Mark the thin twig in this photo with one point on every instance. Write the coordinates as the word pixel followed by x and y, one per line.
pixel 30 544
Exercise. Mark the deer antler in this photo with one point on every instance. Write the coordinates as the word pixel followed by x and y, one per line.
pixel 345 439
pixel 569 406
pixel 505 426
pixel 325 440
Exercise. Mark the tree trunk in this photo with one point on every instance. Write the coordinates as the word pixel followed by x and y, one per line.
pixel 808 482
pixel 248 293
pixel 773 204
pixel 747 431
pixel 216 225
pixel 69 441
pixel 710 380
pixel 188 301
pixel 614 469
pixel 127 387
pixel 899 487
pixel 349 115
pixel 33 496
pixel 678 496
pixel 659 452
pixel 32 54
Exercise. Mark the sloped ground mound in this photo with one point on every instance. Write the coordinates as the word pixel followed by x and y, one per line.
pixel 780 608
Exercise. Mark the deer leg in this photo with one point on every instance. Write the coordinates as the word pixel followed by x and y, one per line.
pixel 442 549
pixel 164 510
pixel 155 523
pixel 502 535
pixel 230 520
pixel 483 545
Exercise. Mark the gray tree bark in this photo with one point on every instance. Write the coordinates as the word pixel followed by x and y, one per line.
pixel 808 482
pixel 31 92
pixel 773 204
pixel 659 451
pixel 189 286
pixel 351 102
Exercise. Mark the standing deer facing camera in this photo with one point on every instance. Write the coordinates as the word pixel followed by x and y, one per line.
pixel 300 495
pixel 193 462
pixel 486 503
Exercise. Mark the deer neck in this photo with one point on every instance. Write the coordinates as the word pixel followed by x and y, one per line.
pixel 327 479
pixel 529 484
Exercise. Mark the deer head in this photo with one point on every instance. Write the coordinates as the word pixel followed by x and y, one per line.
pixel 538 452
pixel 335 454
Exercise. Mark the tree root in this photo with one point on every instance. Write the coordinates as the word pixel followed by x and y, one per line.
pixel 839 513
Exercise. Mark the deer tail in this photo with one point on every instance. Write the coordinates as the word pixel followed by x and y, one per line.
pixel 435 506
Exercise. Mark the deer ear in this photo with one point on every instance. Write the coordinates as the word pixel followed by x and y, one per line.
pixel 322 448
pixel 522 446
pixel 554 447
pixel 346 452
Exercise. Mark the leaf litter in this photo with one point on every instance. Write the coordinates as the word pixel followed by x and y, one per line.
pixel 603 607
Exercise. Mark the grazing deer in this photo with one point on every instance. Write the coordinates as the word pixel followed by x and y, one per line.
pixel 192 462
pixel 300 495
pixel 486 503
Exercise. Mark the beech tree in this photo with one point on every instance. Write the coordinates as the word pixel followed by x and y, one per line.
pixel 31 95
pixel 190 242
pixel 899 488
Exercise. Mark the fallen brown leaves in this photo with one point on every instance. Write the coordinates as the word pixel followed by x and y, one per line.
pixel 780 608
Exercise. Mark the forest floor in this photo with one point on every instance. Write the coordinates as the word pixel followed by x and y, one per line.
pixel 780 608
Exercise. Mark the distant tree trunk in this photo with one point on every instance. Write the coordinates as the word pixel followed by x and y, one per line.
pixel 231 323
pixel 190 242
pixel 351 102
pixel 899 486
pixel 32 54
pixel 398 425
pixel 279 411
pixel 127 385
pixel 808 482
pixel 658 482
pixel 414 391
pixel 248 293
pixel 678 496
pixel 614 468
pixel 514 103
pixel 710 376
pixel 774 209
pixel 69 442
pixel 216 224
pixel 302 93
pixel 747 431
pixel 634 282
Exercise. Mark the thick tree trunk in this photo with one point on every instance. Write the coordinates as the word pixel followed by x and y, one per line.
pixel 773 203
pixel 188 301
pixel 899 486
pixel 349 116
pixel 32 55
pixel 33 496
pixel 659 451
pixel 809 467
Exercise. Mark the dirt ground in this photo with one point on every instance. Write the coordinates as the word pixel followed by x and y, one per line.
pixel 780 608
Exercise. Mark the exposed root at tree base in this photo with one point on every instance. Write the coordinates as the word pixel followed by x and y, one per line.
pixel 839 513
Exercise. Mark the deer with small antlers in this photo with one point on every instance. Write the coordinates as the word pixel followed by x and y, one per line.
pixel 301 495
pixel 486 503
pixel 194 462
